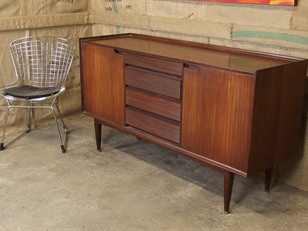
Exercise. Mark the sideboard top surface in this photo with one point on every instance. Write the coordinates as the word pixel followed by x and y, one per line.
pixel 190 52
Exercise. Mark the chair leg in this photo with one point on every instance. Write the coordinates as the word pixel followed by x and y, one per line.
pixel 29 120
pixel 64 127
pixel 28 129
pixel 61 118
pixel 33 122
pixel 6 116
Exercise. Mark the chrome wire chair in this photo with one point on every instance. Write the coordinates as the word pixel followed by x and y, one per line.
pixel 41 65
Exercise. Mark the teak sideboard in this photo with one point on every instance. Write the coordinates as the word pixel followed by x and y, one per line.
pixel 237 111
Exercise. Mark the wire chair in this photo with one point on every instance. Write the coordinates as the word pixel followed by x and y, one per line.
pixel 41 65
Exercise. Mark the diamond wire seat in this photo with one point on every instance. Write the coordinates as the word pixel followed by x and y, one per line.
pixel 41 65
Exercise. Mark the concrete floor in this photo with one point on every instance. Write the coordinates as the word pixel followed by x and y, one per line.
pixel 131 185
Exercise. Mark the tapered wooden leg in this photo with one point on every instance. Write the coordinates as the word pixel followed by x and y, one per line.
pixel 98 134
pixel 268 179
pixel 228 184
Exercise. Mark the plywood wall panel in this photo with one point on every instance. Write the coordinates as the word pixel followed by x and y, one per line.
pixel 108 7
pixel 10 8
pixel 296 39
pixel 39 7
pixel 249 15
pixel 176 9
pixel 300 19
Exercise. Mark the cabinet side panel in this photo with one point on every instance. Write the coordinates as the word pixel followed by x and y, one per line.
pixel 265 119
pixel 291 110
pixel 217 113
pixel 102 83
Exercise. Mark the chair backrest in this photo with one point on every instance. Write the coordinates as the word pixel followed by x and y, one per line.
pixel 42 61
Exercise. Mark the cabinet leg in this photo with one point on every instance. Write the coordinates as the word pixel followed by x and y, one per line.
pixel 268 179
pixel 228 184
pixel 98 134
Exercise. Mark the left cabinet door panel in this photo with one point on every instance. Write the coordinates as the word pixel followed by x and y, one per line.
pixel 102 83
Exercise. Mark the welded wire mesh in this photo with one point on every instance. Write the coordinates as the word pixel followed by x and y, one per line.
pixel 41 61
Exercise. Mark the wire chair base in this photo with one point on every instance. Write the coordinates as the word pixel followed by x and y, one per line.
pixel 56 114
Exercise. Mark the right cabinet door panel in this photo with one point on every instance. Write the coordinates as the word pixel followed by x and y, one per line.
pixel 217 114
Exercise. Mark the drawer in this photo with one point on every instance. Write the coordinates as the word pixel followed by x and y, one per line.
pixel 159 83
pixel 153 125
pixel 161 65
pixel 153 103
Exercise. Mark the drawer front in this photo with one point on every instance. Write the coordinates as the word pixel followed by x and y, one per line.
pixel 153 103
pixel 153 125
pixel 161 65
pixel 153 81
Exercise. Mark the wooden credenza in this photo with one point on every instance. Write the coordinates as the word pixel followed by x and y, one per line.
pixel 234 110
